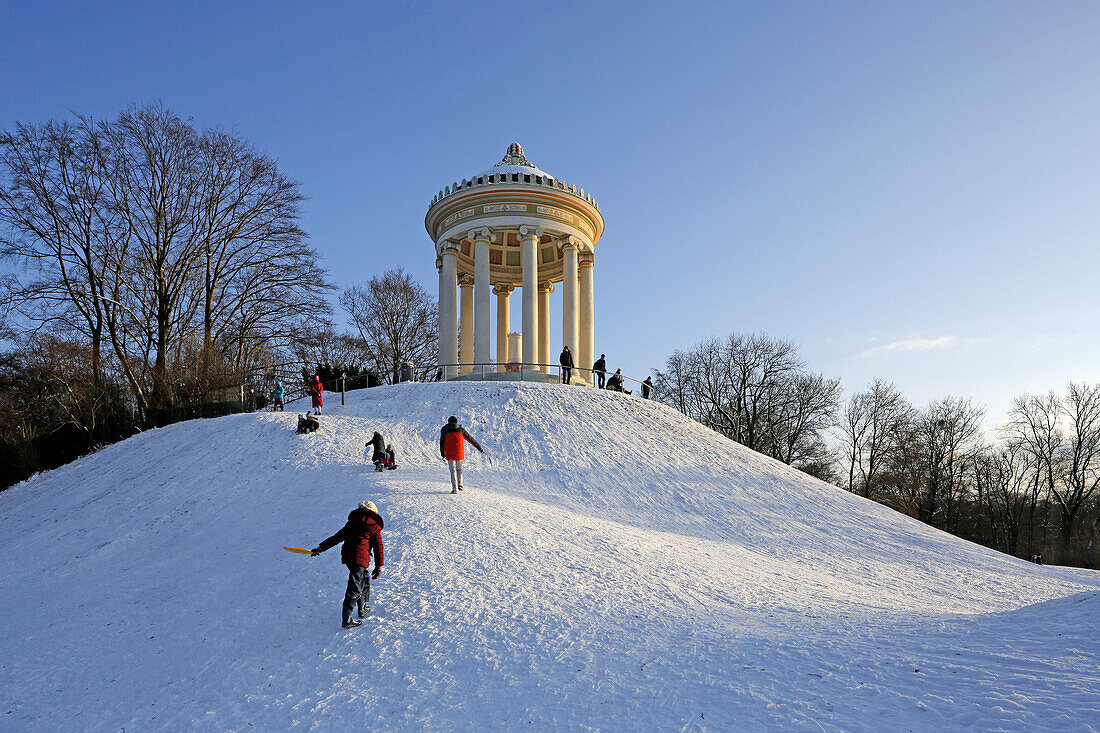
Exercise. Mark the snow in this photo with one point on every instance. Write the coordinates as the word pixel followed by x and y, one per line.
pixel 615 567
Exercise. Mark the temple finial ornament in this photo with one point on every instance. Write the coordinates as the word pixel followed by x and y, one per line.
pixel 515 156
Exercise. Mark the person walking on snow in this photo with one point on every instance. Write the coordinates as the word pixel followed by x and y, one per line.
pixel 279 394
pixel 378 444
pixel 317 390
pixel 647 387
pixel 362 536
pixel 453 449
pixel 566 361
pixel 600 370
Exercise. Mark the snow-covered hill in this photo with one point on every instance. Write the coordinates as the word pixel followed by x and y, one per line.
pixel 615 567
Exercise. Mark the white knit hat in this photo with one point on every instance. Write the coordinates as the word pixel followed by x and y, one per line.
pixel 369 506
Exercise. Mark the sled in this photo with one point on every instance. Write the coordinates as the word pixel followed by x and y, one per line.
pixel 301 550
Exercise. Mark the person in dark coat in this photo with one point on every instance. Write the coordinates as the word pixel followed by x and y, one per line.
pixel 362 537
pixel 317 391
pixel 600 370
pixel 566 361
pixel 308 423
pixel 452 446
pixel 378 445
pixel 647 387
pixel 615 384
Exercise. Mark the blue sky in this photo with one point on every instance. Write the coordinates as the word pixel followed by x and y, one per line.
pixel 906 190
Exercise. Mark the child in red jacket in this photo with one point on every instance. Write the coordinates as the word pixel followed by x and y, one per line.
pixel 362 535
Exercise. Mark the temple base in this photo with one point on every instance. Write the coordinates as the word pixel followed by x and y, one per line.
pixel 528 375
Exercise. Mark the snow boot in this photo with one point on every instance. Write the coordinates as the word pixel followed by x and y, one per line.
pixel 352 624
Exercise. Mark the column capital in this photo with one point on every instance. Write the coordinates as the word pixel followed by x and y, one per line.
pixel 526 232
pixel 465 280
pixel 439 263
pixel 482 234
pixel 447 247
pixel 586 259
pixel 569 242
pixel 503 289
pixel 546 286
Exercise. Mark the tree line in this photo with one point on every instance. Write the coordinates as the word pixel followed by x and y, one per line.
pixel 156 270
pixel 1029 490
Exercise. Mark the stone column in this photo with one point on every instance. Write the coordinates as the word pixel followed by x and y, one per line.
pixel 529 237
pixel 481 238
pixel 545 288
pixel 504 325
pixel 466 329
pixel 515 346
pixel 448 309
pixel 569 297
pixel 586 317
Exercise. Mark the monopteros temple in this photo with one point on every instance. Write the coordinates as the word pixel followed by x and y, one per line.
pixel 512 226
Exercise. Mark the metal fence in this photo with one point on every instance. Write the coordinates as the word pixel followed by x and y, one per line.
pixel 536 372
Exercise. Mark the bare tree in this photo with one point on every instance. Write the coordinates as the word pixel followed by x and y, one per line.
pixel 1081 459
pixel 803 411
pixel 868 430
pixel 155 184
pixel 755 390
pixel 675 384
pixel 936 454
pixel 1008 491
pixel 258 274
pixel 397 319
pixel 153 236
pixel 1033 425
pixel 54 201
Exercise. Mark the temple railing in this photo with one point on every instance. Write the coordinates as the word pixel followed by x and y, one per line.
pixel 532 372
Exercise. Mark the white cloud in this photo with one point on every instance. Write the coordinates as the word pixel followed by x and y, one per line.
pixel 912 344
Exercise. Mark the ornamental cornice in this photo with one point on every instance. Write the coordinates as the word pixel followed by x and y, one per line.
pixel 510 207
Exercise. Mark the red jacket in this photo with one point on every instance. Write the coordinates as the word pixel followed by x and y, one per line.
pixel 361 536
pixel 452 445
pixel 317 389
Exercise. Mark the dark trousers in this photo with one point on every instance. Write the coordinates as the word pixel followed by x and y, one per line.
pixel 600 377
pixel 566 374
pixel 358 592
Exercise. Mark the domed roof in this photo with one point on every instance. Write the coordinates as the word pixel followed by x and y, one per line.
pixel 514 161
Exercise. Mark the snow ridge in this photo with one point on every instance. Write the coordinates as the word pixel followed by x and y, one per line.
pixel 612 565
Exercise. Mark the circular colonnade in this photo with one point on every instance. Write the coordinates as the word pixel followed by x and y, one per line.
pixel 513 226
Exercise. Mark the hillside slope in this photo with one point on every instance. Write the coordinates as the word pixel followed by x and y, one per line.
pixel 615 567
